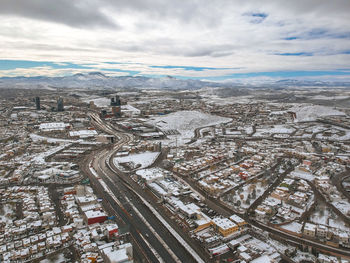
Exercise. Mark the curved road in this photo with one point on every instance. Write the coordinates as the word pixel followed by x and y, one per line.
pixel 156 240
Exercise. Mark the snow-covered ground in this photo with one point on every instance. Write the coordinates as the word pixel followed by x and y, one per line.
pixel 7 212
pixel 275 129
pixel 141 160
pixel 311 113
pixel 99 101
pixel 324 216
pixel 338 223
pixel 339 97
pixel 249 130
pixel 40 158
pixel 185 122
pixel 342 205
pixel 321 215
pixel 242 194
pixel 335 137
pixel 56 258
pixel 38 138
pixel 302 175
pixel 315 128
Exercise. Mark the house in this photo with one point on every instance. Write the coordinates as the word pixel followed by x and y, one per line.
pixel 321 231
pixel 309 230
pixel 344 238
pixel 111 230
pixel 117 254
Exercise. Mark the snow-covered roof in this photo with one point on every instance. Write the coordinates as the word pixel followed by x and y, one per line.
pixel 116 254
pixel 262 259
pixel 51 126
pixel 150 174
pixel 223 223
pixel 94 214
pixel 83 133
pixel 310 227
pixel 237 219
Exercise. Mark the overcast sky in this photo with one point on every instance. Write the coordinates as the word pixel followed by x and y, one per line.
pixel 204 39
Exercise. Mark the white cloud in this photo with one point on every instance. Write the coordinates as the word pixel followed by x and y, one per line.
pixel 216 33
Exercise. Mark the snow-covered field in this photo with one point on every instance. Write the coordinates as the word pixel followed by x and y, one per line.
pixel 7 211
pixel 324 216
pixel 139 159
pixel 311 113
pixel 38 138
pixel 321 215
pixel 335 137
pixel 322 97
pixel 302 175
pixel 185 122
pixel 315 128
pixel 40 158
pixel 99 102
pixel 338 223
pixel 275 129
pixel 246 191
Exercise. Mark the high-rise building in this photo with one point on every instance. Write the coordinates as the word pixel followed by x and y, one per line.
pixel 115 101
pixel 60 106
pixel 37 103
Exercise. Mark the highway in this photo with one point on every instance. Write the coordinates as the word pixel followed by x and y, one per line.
pixel 123 217
pixel 158 244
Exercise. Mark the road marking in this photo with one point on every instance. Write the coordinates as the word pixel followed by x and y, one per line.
pixel 172 254
pixel 111 194
pixel 171 230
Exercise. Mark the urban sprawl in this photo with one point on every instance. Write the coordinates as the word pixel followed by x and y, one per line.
pixel 155 176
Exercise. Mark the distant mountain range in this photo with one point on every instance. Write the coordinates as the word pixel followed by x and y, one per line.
pixel 97 80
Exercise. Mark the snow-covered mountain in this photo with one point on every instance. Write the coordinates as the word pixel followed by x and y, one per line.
pixel 99 80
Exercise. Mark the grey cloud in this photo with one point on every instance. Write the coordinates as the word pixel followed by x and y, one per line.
pixel 21 45
pixel 75 13
pixel 203 12
pixel 209 51
pixel 211 28
pixel 167 46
